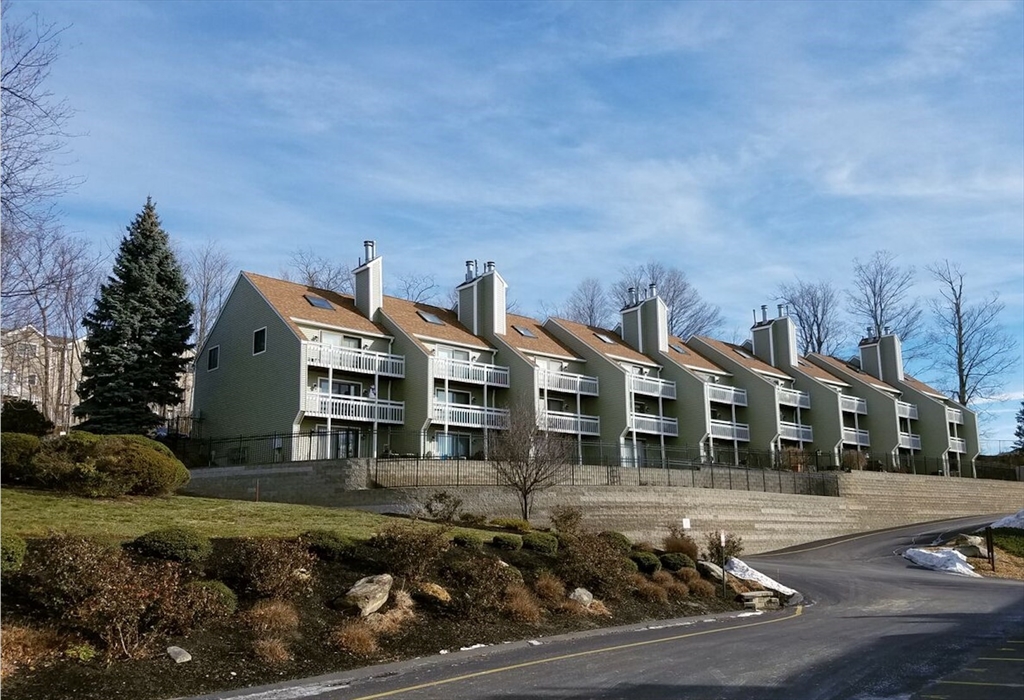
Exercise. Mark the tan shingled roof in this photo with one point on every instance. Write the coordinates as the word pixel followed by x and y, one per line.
pixel 692 359
pixel 747 359
pixel 617 350
pixel 403 313
pixel 922 387
pixel 819 373
pixel 861 374
pixel 544 343
pixel 289 301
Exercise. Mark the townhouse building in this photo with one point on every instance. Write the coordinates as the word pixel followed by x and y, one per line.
pixel 44 369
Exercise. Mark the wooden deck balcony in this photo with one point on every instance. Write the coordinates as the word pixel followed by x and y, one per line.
pixel 355 408
pixel 353 360
pixel 567 382
pixel 572 423
pixel 467 416
pixel 469 372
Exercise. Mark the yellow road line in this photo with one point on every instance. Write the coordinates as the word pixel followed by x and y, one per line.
pixel 993 685
pixel 998 658
pixel 575 655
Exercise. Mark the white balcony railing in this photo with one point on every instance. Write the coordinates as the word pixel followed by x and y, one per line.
pixel 793 397
pixel 357 408
pixel 730 431
pixel 910 441
pixel 470 416
pixel 470 372
pixel 561 422
pixel 853 404
pixel 656 425
pixel 852 436
pixel 795 431
pixel 906 410
pixel 954 415
pixel 958 445
pixel 727 394
pixel 354 360
pixel 565 381
pixel 651 386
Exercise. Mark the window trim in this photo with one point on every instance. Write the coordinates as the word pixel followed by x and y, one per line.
pixel 254 334
pixel 212 358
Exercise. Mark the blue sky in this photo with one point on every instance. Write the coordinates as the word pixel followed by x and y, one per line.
pixel 746 143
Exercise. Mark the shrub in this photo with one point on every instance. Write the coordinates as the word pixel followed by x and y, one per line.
pixel 479 583
pixel 65 462
pixel 144 441
pixel 674 561
pixel 442 506
pixel 219 600
pixel 23 416
pixel 680 542
pixel 472 519
pixel 27 647
pixel 195 603
pixel 272 619
pixel 12 552
pixel 327 544
pixel 646 562
pixel 618 540
pixel 516 524
pixel 128 466
pixel 183 544
pixel 507 541
pixel 648 590
pixel 567 519
pixel 16 453
pixel 410 551
pixel 520 605
pixel 687 575
pixel 540 542
pixel 854 459
pixel 703 589
pixel 269 567
pixel 715 551
pixel 271 650
pixel 468 540
pixel 549 587
pixel 642 547
pixel 588 560
pixel 356 638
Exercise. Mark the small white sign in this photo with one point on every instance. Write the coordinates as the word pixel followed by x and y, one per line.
pixel 722 533
pixel 686 523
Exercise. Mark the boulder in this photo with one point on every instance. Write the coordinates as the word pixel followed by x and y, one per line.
pixel 179 655
pixel 710 569
pixel 972 550
pixel 433 591
pixel 369 594
pixel 582 596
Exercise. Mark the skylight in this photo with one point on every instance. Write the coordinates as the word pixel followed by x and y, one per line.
pixel 430 318
pixel 604 338
pixel 679 349
pixel 523 331
pixel 743 353
pixel 318 302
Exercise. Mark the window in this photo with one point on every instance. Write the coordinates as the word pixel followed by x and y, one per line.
pixel 33 379
pixel 339 387
pixel 259 341
pixel 556 405
pixel 27 349
pixel 459 397
pixel 678 348
pixel 452 445
pixel 351 342
pixel 452 353
pixel 213 358
pixel 318 302
pixel 525 332
pixel 604 339
pixel 430 318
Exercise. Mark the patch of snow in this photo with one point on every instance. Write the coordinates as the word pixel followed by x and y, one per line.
pixel 293 693
pixel 534 643
pixel 443 651
pixel 749 614
pixel 1016 520
pixel 943 559
pixel 473 646
pixel 740 570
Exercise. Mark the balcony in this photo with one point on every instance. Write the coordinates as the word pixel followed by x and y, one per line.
pixel 357 408
pixel 852 436
pixel 564 381
pixel 957 445
pixel 852 404
pixel 354 360
pixel 656 425
pixel 730 431
pixel 906 410
pixel 792 397
pixel 651 386
pixel 467 416
pixel 910 441
pixel 561 422
pixel 795 431
pixel 954 415
pixel 727 394
pixel 470 372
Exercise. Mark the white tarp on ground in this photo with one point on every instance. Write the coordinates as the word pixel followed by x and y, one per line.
pixel 943 559
pixel 1016 521
pixel 740 570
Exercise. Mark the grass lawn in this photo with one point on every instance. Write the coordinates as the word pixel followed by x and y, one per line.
pixel 35 513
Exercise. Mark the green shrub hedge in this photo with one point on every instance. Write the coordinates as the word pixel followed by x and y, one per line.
pixel 468 540
pixel 12 552
pixel 16 453
pixel 674 561
pixel 510 542
pixel 618 540
pixel 646 562
pixel 540 542
pixel 184 544
pixel 327 544
pixel 516 524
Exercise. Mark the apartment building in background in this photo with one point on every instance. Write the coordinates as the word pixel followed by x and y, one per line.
pixel 43 369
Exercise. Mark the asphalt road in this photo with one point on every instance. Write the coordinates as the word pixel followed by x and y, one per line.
pixel 873 627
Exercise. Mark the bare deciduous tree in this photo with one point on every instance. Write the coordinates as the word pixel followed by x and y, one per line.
pixel 688 313
pixel 880 297
pixel 969 346
pixel 526 458
pixel 415 287
pixel 209 272
pixel 307 266
pixel 588 304
pixel 815 307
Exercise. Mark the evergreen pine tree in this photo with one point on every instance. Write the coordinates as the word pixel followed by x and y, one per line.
pixel 1018 433
pixel 137 334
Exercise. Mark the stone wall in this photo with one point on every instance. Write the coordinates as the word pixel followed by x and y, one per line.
pixel 765 521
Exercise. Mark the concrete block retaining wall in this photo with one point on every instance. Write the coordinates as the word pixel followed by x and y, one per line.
pixel 765 521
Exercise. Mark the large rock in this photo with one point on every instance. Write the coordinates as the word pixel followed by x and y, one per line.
pixel 971 546
pixel 369 594
pixel 179 655
pixel 435 592
pixel 582 596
